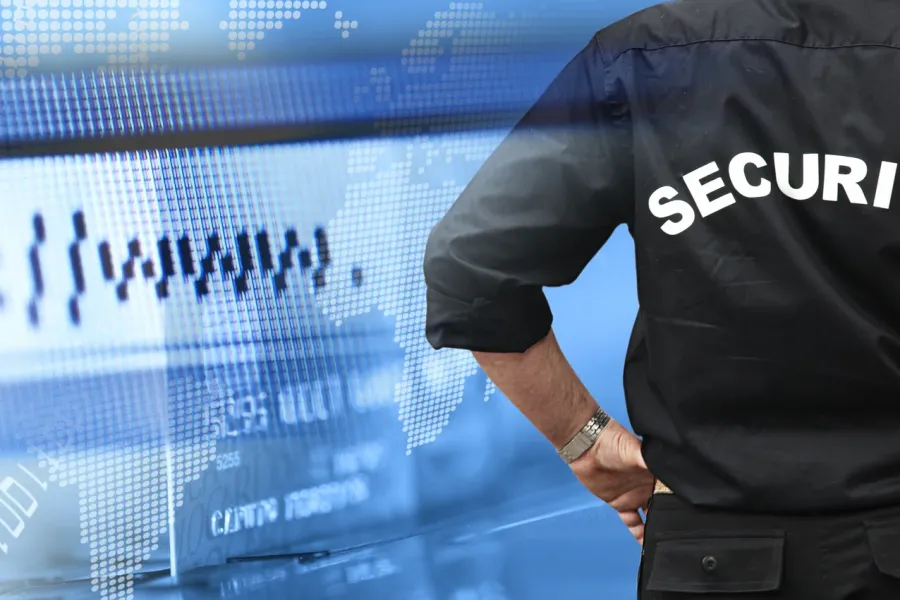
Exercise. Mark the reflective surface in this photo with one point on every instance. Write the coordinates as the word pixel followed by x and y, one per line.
pixel 170 393
pixel 560 545
pixel 212 346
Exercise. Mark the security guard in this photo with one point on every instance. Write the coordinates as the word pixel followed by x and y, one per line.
pixel 751 147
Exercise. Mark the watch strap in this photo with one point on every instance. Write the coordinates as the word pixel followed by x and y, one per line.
pixel 585 438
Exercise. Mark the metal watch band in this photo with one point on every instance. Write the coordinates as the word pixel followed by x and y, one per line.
pixel 585 438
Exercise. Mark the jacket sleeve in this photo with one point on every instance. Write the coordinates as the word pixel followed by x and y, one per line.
pixel 533 216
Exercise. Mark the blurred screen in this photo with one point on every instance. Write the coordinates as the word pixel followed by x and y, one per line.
pixel 211 302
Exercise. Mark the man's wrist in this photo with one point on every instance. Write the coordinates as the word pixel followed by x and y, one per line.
pixel 586 437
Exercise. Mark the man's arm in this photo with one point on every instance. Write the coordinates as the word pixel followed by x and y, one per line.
pixel 541 383
pixel 543 386
pixel 535 214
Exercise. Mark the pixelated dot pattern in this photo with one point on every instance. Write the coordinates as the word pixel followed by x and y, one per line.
pixel 343 24
pixel 394 202
pixel 122 468
pixel 125 494
pixel 126 32
pixel 193 422
pixel 391 204
pixel 249 20
pixel 114 452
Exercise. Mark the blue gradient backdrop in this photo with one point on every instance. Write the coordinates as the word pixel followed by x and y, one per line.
pixel 218 352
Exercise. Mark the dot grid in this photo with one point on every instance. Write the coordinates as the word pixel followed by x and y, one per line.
pixel 193 418
pixel 310 355
pixel 391 204
pixel 394 201
pixel 466 70
pixel 110 448
pixel 344 25
pixel 34 29
pixel 248 20
pixel 153 101
pixel 126 441
pixel 119 458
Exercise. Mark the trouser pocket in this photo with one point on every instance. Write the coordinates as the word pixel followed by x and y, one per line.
pixel 716 562
pixel 687 555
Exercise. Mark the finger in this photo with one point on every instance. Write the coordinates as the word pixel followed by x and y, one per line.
pixel 635 524
pixel 631 518
pixel 637 533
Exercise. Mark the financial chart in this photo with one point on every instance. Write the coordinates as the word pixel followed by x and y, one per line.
pixel 213 346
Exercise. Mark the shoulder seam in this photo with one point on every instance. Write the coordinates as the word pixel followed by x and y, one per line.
pixel 604 55
pixel 746 39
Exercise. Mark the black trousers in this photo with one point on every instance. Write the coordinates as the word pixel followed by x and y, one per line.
pixel 692 553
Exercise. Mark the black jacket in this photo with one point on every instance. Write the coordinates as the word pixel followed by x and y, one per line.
pixel 751 148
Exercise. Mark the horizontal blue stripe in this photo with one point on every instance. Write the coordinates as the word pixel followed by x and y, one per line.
pixel 95 105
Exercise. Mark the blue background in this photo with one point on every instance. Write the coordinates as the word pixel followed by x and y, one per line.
pixel 124 418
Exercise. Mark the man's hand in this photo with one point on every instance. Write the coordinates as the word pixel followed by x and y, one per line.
pixel 542 384
pixel 614 471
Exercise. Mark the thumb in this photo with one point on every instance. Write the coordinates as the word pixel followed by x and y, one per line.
pixel 628 447
pixel 639 457
pixel 633 451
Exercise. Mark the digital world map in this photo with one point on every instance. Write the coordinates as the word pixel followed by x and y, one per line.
pixel 392 201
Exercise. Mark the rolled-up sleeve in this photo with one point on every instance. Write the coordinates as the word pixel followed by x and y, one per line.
pixel 534 215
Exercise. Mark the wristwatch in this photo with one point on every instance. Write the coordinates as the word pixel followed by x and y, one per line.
pixel 585 438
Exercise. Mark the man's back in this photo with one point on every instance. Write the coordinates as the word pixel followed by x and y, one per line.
pixel 751 148
pixel 765 363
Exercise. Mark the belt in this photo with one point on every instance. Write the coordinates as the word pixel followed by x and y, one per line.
pixel 660 488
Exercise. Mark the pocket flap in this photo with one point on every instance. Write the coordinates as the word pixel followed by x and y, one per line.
pixel 718 562
pixel 884 541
